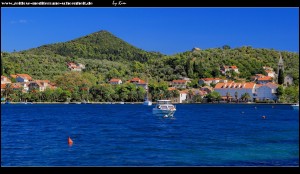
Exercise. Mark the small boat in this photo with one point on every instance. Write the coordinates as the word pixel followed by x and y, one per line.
pixel 164 108
pixel 147 102
pixel 295 106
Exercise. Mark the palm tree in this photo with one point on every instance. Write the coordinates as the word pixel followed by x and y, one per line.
pixel 246 97
pixel 227 96
pixel 190 94
pixel 8 90
pixel 236 96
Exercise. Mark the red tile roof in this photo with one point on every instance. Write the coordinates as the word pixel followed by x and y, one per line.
pixel 3 86
pixel 265 78
pixel 16 85
pixel 114 80
pixel 13 76
pixel 179 81
pixel 4 78
pixel 210 79
pixel 171 88
pixel 28 77
pixel 235 85
pixel 138 80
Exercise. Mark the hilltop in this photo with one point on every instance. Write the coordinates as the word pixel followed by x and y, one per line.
pixel 100 45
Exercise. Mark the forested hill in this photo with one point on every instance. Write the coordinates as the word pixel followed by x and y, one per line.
pixel 99 45
pixel 105 56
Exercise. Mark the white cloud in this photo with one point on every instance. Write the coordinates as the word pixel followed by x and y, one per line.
pixel 21 21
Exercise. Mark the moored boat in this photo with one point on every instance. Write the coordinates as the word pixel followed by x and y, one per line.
pixel 295 106
pixel 147 102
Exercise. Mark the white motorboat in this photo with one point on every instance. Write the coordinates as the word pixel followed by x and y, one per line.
pixel 164 108
pixel 295 106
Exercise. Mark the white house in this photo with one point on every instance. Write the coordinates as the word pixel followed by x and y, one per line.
pixel 115 81
pixel 266 91
pixel 39 85
pixel 75 66
pixel 234 68
pixel 182 97
pixel 232 88
pixel 288 80
pixel 270 73
pixel 5 80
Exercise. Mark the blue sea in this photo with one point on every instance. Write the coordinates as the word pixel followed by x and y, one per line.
pixel 129 135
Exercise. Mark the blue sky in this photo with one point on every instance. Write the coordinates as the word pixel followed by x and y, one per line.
pixel 167 30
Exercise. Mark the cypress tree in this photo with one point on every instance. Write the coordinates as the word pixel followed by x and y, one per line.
pixel 280 77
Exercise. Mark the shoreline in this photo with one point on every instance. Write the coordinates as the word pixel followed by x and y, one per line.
pixel 142 103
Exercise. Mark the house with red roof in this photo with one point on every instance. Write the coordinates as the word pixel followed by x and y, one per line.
pixel 225 69
pixel 3 87
pixel 40 85
pixel 179 84
pixel 264 80
pixel 75 66
pixel 23 78
pixel 139 82
pixel 270 73
pixel 115 81
pixel 232 88
pixel 5 80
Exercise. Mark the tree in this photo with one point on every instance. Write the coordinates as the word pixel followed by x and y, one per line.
pixel 215 72
pixel 228 96
pixel 279 91
pixel 226 47
pixel 280 77
pixel 213 96
pixel 246 97
pixel 236 96
pixel 189 67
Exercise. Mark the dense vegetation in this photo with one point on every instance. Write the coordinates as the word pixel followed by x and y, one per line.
pixel 106 56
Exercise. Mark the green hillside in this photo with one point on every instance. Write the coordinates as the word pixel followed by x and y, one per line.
pixel 99 45
pixel 106 56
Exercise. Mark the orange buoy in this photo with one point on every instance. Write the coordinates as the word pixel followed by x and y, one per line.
pixel 70 141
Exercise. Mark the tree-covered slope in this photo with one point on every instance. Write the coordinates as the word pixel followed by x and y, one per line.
pixel 99 45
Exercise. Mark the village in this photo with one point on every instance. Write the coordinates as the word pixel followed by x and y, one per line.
pixel 261 88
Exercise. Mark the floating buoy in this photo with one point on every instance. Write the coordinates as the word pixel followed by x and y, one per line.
pixel 70 141
pixel 263 117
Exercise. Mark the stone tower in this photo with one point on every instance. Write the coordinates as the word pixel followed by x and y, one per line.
pixel 280 64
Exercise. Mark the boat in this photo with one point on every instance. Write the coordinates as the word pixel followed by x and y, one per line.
pixel 164 108
pixel 147 102
pixel 295 106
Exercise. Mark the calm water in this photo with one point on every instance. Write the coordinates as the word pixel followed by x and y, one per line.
pixel 129 135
